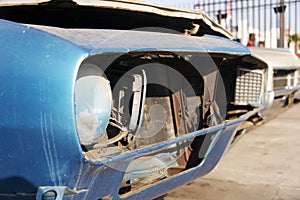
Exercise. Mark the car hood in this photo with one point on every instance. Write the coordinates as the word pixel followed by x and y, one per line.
pixel 188 20
pixel 279 58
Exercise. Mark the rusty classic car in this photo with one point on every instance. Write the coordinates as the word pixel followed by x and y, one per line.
pixel 117 99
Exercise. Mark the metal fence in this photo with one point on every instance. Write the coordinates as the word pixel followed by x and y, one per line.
pixel 275 23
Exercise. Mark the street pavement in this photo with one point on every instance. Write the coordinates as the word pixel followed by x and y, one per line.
pixel 263 165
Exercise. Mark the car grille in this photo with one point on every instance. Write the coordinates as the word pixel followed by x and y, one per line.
pixel 280 82
pixel 298 80
pixel 288 80
pixel 248 87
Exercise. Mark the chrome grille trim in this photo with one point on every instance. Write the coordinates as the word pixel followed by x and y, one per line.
pixel 248 87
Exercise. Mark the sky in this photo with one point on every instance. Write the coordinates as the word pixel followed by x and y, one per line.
pixel 177 3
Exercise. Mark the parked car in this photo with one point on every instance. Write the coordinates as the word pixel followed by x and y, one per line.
pixel 91 109
pixel 284 69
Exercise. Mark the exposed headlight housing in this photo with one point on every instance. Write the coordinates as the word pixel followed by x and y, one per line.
pixel 93 102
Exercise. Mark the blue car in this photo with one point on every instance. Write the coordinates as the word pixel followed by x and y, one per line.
pixel 117 99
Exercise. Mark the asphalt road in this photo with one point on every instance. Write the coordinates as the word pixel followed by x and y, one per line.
pixel 263 165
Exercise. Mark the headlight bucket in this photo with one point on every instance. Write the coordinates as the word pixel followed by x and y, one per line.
pixel 93 102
